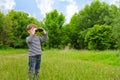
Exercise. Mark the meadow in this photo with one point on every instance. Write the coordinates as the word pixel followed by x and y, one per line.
pixel 62 65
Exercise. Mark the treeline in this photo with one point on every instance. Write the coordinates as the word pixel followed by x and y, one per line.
pixel 97 26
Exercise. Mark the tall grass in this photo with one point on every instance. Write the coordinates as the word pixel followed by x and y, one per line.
pixel 63 65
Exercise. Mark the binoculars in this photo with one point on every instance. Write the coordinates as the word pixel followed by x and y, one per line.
pixel 39 30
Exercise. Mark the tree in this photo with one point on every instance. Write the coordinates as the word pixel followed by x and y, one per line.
pixel 116 29
pixel 53 23
pixel 96 13
pixel 99 37
pixel 20 20
pixel 5 31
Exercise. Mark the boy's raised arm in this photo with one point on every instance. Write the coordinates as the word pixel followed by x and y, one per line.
pixel 45 36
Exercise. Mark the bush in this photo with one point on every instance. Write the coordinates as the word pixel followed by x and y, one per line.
pixel 99 37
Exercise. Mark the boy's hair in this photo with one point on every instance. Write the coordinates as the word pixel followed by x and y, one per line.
pixel 29 26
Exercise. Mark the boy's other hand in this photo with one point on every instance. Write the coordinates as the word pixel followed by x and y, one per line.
pixel 44 32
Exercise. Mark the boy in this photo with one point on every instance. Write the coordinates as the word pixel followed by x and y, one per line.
pixel 34 44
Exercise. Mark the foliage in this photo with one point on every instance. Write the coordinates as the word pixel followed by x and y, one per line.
pixel 96 13
pixel 5 31
pixel 19 21
pixel 13 27
pixel 116 30
pixel 53 24
pixel 99 37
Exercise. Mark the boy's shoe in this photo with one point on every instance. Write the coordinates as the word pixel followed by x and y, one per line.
pixel 36 76
pixel 31 77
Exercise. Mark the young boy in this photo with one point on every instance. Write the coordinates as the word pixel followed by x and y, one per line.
pixel 34 44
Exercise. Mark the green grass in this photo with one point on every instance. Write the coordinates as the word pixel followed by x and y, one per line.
pixel 13 51
pixel 62 65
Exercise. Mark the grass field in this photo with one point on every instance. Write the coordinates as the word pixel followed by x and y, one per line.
pixel 62 65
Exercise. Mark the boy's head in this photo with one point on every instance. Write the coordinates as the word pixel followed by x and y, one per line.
pixel 31 26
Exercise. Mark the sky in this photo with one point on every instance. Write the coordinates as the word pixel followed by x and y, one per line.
pixel 38 8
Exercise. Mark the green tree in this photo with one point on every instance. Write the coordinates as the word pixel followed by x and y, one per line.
pixel 99 37
pixel 5 31
pixel 96 13
pixel 116 29
pixel 65 40
pixel 20 20
pixel 53 23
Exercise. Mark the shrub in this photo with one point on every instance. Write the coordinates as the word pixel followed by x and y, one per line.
pixel 99 37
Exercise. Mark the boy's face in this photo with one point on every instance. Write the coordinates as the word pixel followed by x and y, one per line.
pixel 32 30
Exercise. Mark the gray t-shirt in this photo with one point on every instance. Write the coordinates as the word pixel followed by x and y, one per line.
pixel 34 44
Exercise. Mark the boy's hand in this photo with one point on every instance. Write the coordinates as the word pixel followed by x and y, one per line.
pixel 32 31
pixel 44 32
